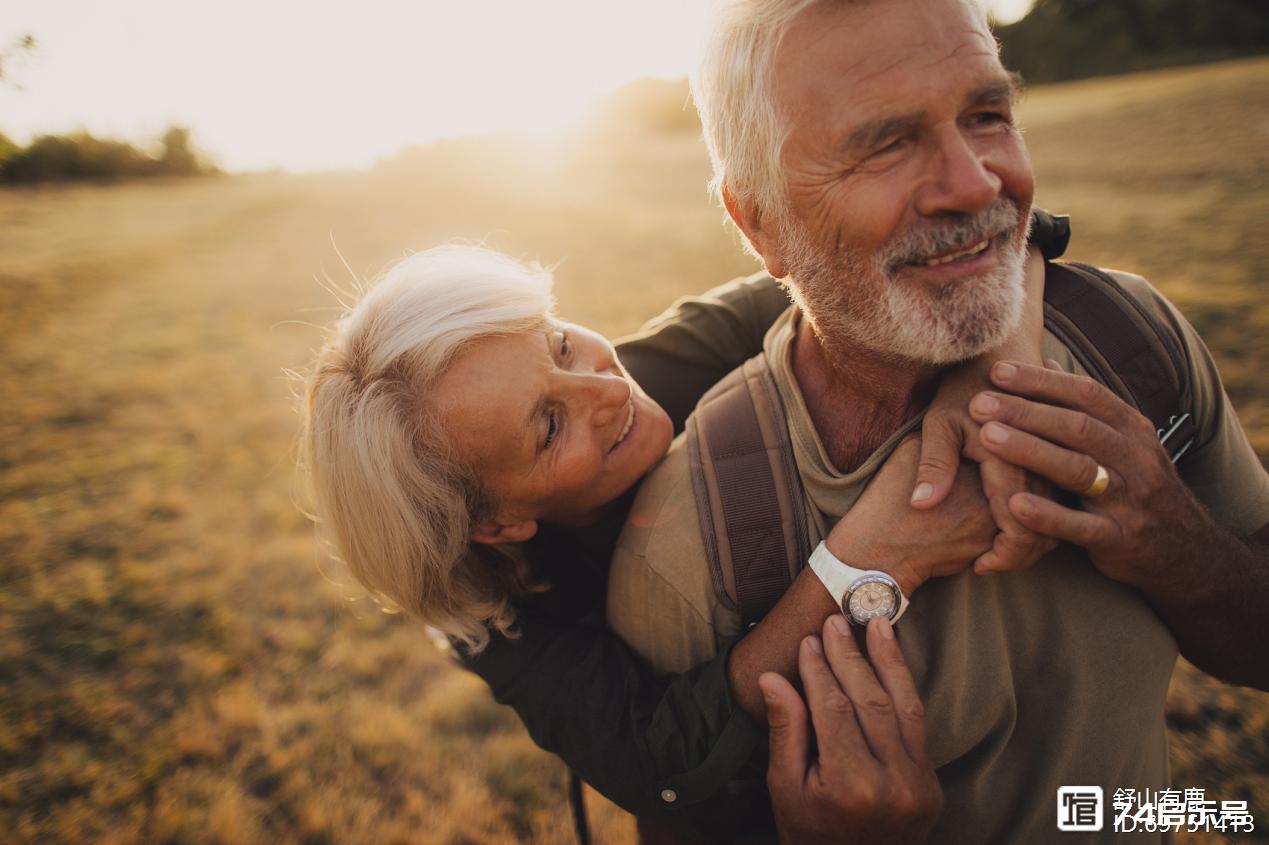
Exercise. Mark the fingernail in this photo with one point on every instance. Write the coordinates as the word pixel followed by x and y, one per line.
pixel 840 625
pixel 887 630
pixel 923 491
pixel 813 643
pixel 995 433
pixel 1022 504
pixel 985 403
pixel 1005 371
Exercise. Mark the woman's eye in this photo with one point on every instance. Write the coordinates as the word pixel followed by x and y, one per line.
pixel 552 428
pixel 566 347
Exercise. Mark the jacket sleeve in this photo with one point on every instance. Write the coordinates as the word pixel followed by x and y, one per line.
pixel 647 743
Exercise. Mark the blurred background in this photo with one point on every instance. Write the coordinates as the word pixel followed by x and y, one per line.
pixel 180 189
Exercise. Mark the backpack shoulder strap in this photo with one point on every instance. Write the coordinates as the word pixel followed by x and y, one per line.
pixel 1123 346
pixel 748 493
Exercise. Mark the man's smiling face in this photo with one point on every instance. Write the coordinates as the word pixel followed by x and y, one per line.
pixel 909 187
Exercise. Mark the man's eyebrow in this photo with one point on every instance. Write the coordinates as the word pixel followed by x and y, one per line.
pixel 874 132
pixel 997 91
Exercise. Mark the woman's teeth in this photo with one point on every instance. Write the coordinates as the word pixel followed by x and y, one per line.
pixel 625 430
pixel 952 256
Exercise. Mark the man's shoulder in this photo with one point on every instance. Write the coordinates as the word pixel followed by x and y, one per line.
pixel 661 594
pixel 1149 298
pixel 663 530
pixel 1220 468
pixel 1143 292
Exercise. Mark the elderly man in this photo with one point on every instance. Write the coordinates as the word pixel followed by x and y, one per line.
pixel 868 152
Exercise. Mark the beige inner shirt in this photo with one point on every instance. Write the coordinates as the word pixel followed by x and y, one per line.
pixel 1032 680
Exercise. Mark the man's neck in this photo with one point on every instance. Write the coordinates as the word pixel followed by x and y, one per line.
pixel 857 399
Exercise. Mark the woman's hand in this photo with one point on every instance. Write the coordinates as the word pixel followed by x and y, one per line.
pixel 882 532
pixel 871 780
pixel 948 432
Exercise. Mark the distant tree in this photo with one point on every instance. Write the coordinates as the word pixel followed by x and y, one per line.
pixel 650 106
pixel 22 46
pixel 1070 39
pixel 178 154
pixel 7 149
pixel 83 157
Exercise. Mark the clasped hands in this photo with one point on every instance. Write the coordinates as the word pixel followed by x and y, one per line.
pixel 1036 431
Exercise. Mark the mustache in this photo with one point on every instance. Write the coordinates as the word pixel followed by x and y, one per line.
pixel 929 239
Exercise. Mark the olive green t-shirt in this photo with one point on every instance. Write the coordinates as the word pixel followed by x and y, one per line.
pixel 1048 677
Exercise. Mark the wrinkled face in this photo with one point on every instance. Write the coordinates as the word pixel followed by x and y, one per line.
pixel 550 421
pixel 909 185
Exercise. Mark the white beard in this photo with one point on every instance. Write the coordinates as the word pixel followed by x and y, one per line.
pixel 866 300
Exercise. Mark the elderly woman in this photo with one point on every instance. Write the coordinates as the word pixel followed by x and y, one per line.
pixel 449 416
pixel 472 460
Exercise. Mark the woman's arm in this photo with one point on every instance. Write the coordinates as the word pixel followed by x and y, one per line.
pixel 585 696
pixel 685 351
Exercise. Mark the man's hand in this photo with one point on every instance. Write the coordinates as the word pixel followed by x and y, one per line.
pixel 881 532
pixel 949 432
pixel 1062 426
pixel 871 781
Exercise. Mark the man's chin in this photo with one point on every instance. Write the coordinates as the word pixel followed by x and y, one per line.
pixel 971 317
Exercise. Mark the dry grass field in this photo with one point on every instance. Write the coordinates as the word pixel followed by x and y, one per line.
pixel 179 660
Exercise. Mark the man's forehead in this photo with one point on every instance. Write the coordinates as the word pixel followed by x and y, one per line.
pixel 884 51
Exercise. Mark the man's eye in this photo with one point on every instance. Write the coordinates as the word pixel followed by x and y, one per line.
pixel 566 347
pixel 890 147
pixel 990 118
pixel 552 428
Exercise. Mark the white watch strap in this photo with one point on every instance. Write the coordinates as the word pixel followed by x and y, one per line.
pixel 838 577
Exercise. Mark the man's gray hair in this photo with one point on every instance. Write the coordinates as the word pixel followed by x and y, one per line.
pixel 733 87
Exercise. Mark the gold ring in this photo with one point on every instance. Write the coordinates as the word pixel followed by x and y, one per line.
pixel 1099 485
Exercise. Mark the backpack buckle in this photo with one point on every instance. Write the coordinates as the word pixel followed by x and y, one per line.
pixel 1175 424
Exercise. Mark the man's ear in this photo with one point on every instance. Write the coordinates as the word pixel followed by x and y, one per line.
pixel 494 532
pixel 758 230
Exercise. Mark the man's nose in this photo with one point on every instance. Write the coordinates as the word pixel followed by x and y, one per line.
pixel 962 180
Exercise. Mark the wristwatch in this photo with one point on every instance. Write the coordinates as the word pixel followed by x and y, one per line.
pixel 861 593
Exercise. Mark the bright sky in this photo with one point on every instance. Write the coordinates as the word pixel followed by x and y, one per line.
pixel 304 85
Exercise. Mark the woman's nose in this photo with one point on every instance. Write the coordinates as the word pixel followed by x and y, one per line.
pixel 607 395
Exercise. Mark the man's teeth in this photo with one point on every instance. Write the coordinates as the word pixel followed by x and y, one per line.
pixel 952 256
pixel 629 422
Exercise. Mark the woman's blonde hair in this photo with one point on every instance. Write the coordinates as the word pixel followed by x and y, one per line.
pixel 389 494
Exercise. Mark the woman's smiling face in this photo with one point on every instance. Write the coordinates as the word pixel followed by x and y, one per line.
pixel 551 423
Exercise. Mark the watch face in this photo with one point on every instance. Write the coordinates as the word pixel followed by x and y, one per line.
pixel 869 597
